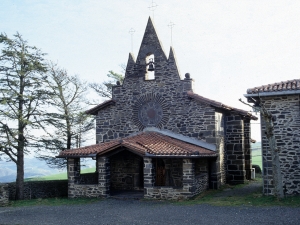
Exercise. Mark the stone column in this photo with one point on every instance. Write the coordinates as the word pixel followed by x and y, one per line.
pixel 188 174
pixel 148 176
pixel 73 175
pixel 215 174
pixel 247 148
pixel 104 175
pixel 236 173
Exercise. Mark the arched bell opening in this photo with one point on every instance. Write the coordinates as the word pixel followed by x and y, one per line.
pixel 150 67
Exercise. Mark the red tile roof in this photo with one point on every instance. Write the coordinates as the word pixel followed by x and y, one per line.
pixel 220 105
pixel 94 110
pixel 289 85
pixel 144 143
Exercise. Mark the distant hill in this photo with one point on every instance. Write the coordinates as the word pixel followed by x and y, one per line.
pixel 256 146
pixel 33 168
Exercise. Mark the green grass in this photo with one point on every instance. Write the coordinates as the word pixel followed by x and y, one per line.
pixel 257 158
pixel 253 199
pixel 60 176
pixel 52 202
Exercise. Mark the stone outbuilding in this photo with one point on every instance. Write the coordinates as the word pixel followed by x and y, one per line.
pixel 157 136
pixel 282 99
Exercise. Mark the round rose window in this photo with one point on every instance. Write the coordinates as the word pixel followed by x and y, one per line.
pixel 150 114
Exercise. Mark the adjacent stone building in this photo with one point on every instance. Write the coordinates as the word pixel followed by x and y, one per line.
pixel 158 136
pixel 282 99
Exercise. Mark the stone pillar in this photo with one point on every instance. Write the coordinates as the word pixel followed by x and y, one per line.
pixel 104 175
pixel 215 174
pixel 148 176
pixel 73 175
pixel 247 148
pixel 236 173
pixel 188 174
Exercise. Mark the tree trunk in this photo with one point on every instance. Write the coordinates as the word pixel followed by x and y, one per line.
pixel 21 144
pixel 20 176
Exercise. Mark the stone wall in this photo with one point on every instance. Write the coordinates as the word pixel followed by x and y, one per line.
pixel 201 175
pixel 201 183
pixel 235 149
pixel 88 185
pixel 126 170
pixel 286 109
pixel 4 195
pixel 179 113
pixel 35 189
pixel 247 148
pixel 192 184
pixel 87 191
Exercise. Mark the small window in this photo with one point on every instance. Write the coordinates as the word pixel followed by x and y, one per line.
pixel 150 75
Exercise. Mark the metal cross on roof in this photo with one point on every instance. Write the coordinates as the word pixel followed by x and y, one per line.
pixel 171 25
pixel 131 31
pixel 152 7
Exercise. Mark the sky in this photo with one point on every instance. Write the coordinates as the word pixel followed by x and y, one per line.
pixel 226 46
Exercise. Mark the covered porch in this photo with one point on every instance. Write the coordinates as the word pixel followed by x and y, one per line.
pixel 160 166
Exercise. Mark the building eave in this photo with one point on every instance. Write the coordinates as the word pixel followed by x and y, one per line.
pixel 273 93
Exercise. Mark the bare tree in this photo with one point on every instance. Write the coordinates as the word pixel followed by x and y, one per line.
pixel 65 122
pixel 22 73
pixel 269 122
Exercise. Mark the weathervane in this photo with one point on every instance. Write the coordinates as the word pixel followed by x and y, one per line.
pixel 152 7
pixel 171 25
pixel 131 31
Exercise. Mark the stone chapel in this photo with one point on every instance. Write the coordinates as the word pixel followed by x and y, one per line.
pixel 158 136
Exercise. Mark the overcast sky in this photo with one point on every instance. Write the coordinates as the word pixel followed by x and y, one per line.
pixel 226 46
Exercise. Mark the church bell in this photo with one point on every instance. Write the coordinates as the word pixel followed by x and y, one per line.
pixel 151 66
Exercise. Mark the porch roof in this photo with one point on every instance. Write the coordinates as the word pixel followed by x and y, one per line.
pixel 146 143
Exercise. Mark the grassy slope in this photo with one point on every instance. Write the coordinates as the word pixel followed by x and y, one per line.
pixel 60 176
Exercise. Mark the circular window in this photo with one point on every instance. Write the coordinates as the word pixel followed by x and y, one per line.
pixel 150 114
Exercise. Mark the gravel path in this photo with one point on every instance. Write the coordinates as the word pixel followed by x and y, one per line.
pixel 111 211
pixel 116 211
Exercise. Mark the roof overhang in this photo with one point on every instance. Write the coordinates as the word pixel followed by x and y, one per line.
pixel 273 93
pixel 94 111
pixel 150 143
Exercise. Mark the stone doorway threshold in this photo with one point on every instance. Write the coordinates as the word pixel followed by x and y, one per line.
pixel 124 194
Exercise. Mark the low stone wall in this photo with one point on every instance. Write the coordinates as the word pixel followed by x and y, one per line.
pixel 4 194
pixel 167 193
pixel 201 183
pixel 86 191
pixel 41 189
pixel 175 193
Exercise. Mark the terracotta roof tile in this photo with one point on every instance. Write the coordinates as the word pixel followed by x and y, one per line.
pixel 220 105
pixel 288 85
pixel 143 143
